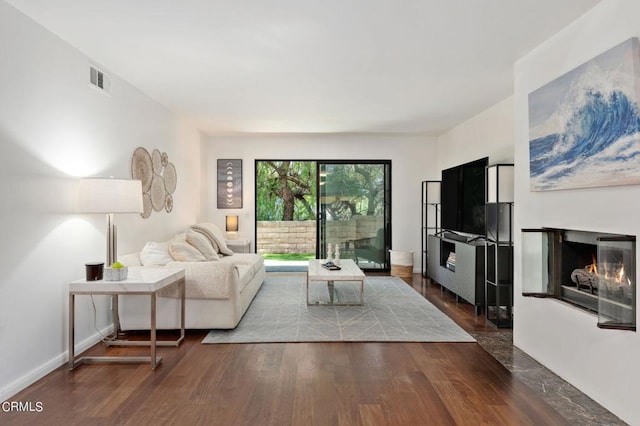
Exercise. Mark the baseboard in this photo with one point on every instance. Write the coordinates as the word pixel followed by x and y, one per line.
pixel 36 374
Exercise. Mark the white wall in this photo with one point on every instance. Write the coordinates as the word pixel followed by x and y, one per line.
pixel 54 128
pixel 414 158
pixel 602 363
pixel 488 134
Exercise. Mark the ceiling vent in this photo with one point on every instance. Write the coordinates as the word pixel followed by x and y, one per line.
pixel 99 80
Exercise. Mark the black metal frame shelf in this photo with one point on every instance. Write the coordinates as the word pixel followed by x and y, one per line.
pixel 499 245
pixel 430 218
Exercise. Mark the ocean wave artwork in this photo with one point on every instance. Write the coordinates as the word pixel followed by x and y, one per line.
pixel 584 127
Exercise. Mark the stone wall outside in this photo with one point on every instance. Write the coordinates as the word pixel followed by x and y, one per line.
pixel 300 236
pixel 286 236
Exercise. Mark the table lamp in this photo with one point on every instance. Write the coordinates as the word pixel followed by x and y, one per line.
pixel 109 196
pixel 231 224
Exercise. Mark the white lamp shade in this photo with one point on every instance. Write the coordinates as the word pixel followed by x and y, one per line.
pixel 500 183
pixel 108 195
pixel 231 223
pixel 433 192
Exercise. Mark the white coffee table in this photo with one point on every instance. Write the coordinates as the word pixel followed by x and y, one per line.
pixel 349 272
pixel 140 281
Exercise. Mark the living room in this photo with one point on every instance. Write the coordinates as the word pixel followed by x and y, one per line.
pixel 55 130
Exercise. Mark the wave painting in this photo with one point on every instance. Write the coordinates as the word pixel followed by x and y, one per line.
pixel 584 127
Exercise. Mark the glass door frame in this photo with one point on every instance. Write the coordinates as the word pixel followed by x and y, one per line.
pixel 321 216
pixel 255 193
pixel 320 249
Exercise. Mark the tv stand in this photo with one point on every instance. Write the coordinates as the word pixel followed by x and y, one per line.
pixel 465 276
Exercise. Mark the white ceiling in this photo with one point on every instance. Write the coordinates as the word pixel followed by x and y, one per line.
pixel 312 65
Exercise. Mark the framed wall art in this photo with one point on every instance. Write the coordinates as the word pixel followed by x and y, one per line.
pixel 229 184
pixel 584 126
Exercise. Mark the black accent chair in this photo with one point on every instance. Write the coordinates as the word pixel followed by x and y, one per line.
pixel 370 249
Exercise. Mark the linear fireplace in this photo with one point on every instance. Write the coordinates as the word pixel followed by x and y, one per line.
pixel 591 270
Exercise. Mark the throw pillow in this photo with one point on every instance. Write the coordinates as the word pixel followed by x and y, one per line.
pixel 182 236
pixel 155 254
pixel 203 245
pixel 182 251
pixel 213 233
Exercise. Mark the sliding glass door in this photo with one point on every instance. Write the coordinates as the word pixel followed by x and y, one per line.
pixel 354 203
pixel 302 206
pixel 286 210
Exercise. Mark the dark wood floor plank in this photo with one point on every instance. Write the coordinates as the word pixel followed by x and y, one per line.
pixel 371 414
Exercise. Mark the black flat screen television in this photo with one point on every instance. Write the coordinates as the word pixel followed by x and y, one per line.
pixel 462 197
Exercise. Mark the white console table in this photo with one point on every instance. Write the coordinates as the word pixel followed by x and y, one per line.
pixel 141 281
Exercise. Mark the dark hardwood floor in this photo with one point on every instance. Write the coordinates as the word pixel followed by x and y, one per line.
pixel 462 313
pixel 295 384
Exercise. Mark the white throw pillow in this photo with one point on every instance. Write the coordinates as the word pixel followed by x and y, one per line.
pixel 182 236
pixel 130 259
pixel 202 243
pixel 213 233
pixel 155 254
pixel 185 252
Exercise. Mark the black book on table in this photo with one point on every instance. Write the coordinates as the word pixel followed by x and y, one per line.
pixel 331 266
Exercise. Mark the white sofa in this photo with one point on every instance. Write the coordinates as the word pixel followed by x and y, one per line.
pixel 218 292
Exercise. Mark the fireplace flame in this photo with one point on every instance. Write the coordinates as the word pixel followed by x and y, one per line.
pixel 618 276
pixel 593 268
pixel 621 277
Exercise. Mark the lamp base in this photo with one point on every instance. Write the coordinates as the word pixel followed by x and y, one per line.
pixel 112 240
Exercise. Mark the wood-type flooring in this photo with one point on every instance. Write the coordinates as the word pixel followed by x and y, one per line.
pixel 294 384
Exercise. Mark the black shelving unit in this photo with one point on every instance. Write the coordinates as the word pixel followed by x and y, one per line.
pixel 499 245
pixel 430 218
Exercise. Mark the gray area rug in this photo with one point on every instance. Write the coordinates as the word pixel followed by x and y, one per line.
pixel 393 312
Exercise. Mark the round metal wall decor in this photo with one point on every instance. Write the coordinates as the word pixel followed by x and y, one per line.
pixel 156 160
pixel 142 168
pixel 146 205
pixel 159 179
pixel 157 193
pixel 170 178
